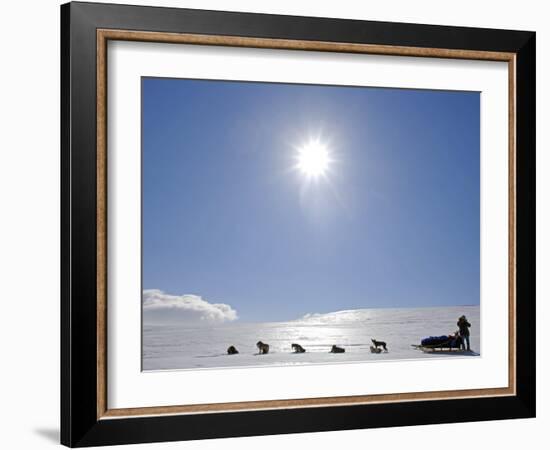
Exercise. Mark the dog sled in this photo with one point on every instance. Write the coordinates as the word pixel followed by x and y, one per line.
pixel 440 344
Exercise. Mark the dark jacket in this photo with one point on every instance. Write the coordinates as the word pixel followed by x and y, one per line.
pixel 463 326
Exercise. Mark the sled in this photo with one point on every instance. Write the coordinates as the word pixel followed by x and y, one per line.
pixel 445 347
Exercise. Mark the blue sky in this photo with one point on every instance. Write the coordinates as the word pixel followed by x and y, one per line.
pixel 395 222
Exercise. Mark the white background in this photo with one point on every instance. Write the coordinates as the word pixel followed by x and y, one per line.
pixel 29 224
pixel 128 387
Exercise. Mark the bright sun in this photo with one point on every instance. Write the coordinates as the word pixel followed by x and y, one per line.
pixel 313 159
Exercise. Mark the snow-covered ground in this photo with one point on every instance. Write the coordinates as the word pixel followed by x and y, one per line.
pixel 169 347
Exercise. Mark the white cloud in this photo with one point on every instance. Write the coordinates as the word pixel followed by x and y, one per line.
pixel 159 307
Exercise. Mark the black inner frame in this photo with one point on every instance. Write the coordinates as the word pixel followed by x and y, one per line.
pixel 79 423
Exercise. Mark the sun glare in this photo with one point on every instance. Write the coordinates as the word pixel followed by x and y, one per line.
pixel 313 159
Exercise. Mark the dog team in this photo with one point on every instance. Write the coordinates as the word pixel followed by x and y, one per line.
pixel 263 348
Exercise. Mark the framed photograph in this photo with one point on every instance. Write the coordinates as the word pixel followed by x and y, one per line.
pixel 276 224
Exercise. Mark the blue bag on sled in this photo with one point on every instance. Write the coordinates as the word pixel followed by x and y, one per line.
pixel 434 340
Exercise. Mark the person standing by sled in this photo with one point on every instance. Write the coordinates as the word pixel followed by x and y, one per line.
pixel 464 330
